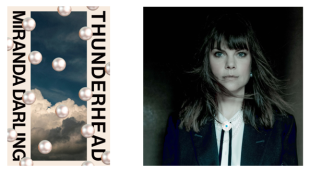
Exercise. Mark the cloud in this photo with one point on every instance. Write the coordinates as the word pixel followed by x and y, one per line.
pixel 64 134
pixel 43 114
pixel 67 141
pixel 73 37
pixel 54 90
pixel 78 62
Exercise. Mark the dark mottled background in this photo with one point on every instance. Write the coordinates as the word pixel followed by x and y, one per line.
pixel 170 36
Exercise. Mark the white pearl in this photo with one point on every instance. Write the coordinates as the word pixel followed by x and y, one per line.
pixel 29 97
pixel 85 33
pixel 59 64
pixel 45 147
pixel 35 57
pixel 64 10
pixel 12 135
pixel 26 161
pixel 85 94
pixel 28 24
pixel 87 163
pixel 87 131
pixel 105 157
pixel 93 8
pixel 107 68
pixel 62 111
pixel 10 43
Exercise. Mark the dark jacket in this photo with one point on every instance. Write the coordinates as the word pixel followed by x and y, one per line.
pixel 276 146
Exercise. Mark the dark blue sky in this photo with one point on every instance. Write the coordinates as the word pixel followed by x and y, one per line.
pixel 57 36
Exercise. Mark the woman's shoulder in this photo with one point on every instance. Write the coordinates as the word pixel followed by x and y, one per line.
pixel 286 121
pixel 284 118
pixel 173 121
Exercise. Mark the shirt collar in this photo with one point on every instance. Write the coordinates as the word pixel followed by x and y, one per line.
pixel 222 119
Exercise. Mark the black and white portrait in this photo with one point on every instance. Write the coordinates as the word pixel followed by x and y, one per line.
pixel 223 86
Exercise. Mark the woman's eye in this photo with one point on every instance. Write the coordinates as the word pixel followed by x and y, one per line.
pixel 241 54
pixel 218 54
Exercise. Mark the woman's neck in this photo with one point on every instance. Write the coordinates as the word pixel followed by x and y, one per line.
pixel 229 106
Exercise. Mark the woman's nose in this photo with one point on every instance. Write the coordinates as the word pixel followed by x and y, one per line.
pixel 230 63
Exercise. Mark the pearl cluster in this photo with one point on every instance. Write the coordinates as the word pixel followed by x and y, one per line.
pixel 26 161
pixel 105 157
pixel 10 44
pixel 35 57
pixel 93 8
pixel 87 163
pixel 85 33
pixel 59 64
pixel 28 24
pixel 64 10
pixel 62 111
pixel 45 147
pixel 12 135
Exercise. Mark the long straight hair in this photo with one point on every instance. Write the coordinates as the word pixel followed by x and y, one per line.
pixel 262 99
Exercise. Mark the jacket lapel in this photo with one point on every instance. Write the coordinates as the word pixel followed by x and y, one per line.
pixel 206 149
pixel 205 145
pixel 253 144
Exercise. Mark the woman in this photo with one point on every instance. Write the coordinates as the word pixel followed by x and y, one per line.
pixel 235 115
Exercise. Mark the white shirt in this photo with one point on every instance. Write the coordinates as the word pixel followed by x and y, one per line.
pixel 237 135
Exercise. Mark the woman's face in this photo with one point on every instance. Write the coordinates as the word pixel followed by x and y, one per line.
pixel 231 67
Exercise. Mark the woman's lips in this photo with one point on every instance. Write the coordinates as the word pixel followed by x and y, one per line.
pixel 230 77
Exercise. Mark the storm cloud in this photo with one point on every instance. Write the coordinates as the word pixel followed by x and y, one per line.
pixel 64 134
